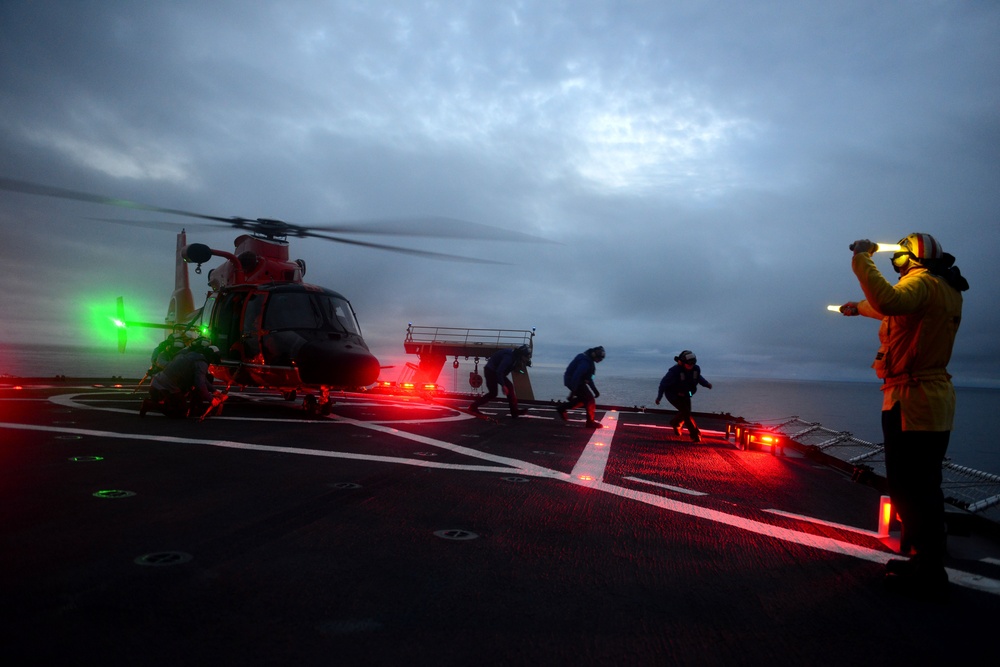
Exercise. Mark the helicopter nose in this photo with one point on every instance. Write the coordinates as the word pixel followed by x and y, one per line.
pixel 337 363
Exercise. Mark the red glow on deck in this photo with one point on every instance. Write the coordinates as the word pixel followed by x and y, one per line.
pixel 587 478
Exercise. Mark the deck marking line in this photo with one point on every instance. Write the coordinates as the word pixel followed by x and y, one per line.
pixel 749 525
pixel 230 444
pixel 973 581
pixel 594 458
pixel 670 428
pixel 69 401
pixel 820 522
pixel 784 534
pixel 515 464
pixel 678 489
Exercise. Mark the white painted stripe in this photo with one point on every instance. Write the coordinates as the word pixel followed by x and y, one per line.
pixel 678 489
pixel 594 458
pixel 749 525
pixel 784 534
pixel 991 561
pixel 704 431
pixel 820 522
pixel 973 581
pixel 71 401
pixel 230 444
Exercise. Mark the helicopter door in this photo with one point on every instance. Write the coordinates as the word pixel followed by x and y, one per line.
pixel 226 321
pixel 251 328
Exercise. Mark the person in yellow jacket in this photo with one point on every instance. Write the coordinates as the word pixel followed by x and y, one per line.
pixel 920 316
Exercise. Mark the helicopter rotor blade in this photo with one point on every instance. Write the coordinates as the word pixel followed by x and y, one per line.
pixel 157 224
pixel 429 227
pixel 405 251
pixel 433 226
pixel 62 193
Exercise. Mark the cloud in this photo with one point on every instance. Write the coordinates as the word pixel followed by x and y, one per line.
pixel 703 167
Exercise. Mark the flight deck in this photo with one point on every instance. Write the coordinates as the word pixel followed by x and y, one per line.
pixel 402 530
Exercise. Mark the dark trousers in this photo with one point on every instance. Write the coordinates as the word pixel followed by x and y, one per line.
pixel 492 391
pixel 683 417
pixel 583 396
pixel 913 471
pixel 171 404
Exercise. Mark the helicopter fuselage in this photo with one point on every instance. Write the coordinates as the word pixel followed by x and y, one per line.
pixel 273 329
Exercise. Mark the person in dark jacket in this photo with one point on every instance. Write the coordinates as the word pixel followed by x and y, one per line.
pixel 184 386
pixel 679 385
pixel 498 367
pixel 579 379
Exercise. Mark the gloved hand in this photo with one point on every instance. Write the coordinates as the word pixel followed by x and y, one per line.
pixel 850 309
pixel 865 246
pixel 708 386
pixel 657 401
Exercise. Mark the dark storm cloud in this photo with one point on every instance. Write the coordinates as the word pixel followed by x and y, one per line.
pixel 702 166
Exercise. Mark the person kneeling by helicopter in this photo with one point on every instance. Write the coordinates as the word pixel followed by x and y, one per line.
pixel 184 386
pixel 498 367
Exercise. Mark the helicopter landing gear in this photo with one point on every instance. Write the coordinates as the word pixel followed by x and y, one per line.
pixel 318 406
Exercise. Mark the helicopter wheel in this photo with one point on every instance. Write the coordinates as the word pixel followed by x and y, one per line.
pixel 326 408
pixel 289 395
pixel 310 404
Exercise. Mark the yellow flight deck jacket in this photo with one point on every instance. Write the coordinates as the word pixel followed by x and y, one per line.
pixel 920 316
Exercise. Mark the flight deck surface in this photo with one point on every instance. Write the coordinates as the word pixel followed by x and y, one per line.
pixel 402 531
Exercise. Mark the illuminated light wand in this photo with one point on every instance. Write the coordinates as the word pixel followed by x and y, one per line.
pixel 879 247
pixel 884 247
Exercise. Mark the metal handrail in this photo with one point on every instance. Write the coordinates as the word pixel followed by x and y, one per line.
pixel 468 336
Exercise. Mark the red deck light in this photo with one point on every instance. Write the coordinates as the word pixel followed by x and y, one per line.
pixel 750 438
pixel 884 516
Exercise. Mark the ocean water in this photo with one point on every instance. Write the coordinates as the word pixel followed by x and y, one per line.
pixel 841 406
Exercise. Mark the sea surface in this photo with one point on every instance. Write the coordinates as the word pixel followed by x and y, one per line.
pixel 841 406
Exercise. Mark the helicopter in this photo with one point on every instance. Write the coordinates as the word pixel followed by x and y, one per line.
pixel 273 330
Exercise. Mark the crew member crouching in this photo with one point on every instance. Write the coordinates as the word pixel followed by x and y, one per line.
pixel 184 386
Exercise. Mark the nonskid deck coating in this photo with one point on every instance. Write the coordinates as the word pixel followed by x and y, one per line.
pixel 396 530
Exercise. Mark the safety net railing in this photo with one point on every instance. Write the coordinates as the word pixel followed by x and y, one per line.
pixel 973 490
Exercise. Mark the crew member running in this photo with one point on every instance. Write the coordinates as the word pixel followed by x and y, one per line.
pixel 679 385
pixel 500 365
pixel 579 379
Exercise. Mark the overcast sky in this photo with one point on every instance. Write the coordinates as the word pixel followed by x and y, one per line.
pixel 701 167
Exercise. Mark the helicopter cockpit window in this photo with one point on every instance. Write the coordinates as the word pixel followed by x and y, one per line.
pixel 297 310
pixel 338 312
